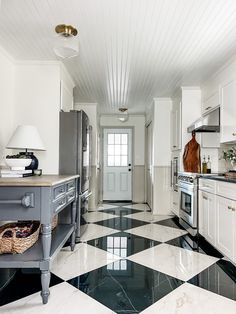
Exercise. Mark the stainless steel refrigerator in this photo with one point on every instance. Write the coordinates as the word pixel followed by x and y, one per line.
pixel 75 158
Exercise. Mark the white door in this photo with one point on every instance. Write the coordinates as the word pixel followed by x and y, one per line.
pixel 149 165
pixel 117 166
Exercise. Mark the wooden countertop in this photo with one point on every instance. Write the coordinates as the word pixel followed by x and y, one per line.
pixel 44 180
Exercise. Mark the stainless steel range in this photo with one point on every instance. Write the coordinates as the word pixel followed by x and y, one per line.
pixel 188 209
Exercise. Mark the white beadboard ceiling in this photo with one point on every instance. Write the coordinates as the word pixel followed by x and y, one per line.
pixel 130 50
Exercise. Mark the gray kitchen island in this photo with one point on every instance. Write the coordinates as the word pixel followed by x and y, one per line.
pixel 40 198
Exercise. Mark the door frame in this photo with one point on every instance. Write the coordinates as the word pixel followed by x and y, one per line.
pixel 102 156
pixel 146 163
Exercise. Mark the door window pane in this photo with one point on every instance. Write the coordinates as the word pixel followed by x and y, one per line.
pixel 111 150
pixel 110 161
pixel 111 138
pixel 117 150
pixel 117 161
pixel 124 139
pixel 124 149
pixel 117 138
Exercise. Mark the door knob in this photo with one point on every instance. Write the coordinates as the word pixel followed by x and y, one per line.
pixel 129 165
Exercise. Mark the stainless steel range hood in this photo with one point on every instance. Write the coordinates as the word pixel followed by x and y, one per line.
pixel 208 123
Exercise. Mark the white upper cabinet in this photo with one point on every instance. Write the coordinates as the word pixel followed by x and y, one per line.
pixel 176 126
pixel 228 112
pixel 210 103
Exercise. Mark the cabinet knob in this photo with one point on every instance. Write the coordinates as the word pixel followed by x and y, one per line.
pixel 233 209
pixel 234 134
pixel 229 207
pixel 205 198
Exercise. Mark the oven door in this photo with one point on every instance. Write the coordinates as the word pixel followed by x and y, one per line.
pixel 188 205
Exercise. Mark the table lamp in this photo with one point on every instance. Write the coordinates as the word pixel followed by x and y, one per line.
pixel 27 137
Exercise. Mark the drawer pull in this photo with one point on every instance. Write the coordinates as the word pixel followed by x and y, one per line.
pixel 175 203
pixel 61 203
pixel 207 108
pixel 61 190
pixel 205 198
pixel 26 201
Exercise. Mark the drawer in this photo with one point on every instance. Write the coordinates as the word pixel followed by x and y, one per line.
pixel 207 185
pixel 59 191
pixel 70 185
pixel 21 203
pixel 226 189
pixel 70 196
pixel 59 204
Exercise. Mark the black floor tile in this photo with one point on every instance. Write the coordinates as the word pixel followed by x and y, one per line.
pixel 24 284
pixel 219 278
pixel 125 287
pixel 121 223
pixel 171 222
pixel 199 245
pixel 121 211
pixel 123 244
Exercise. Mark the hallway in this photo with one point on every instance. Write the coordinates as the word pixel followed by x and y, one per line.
pixel 130 261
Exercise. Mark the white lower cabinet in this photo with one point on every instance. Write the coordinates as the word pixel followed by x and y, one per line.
pixel 207 216
pixel 217 217
pixel 225 226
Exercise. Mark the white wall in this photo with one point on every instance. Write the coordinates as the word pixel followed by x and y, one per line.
pixel 161 132
pixel 37 99
pixel 7 73
pixel 136 121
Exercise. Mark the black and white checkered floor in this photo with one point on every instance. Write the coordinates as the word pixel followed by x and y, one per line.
pixel 130 261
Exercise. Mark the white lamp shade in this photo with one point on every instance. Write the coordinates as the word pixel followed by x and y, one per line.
pixel 26 137
pixel 66 47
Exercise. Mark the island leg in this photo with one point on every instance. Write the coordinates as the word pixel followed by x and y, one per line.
pixel 73 216
pixel 45 274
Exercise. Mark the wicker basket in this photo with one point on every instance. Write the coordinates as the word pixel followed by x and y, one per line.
pixel 54 221
pixel 14 244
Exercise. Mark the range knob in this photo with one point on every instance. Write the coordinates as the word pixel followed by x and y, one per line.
pixel 191 180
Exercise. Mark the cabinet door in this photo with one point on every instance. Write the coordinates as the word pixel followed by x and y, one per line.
pixel 210 103
pixel 228 112
pixel 225 226
pixel 207 216
pixel 176 127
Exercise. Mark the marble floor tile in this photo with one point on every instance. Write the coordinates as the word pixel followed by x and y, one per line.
pixel 157 232
pixel 94 231
pixel 188 299
pixel 170 222
pixel 24 283
pixel 123 244
pixel 219 278
pixel 63 298
pixel 177 262
pixel 121 211
pixel 121 223
pixel 106 206
pixel 125 287
pixel 85 258
pixel 148 217
pixel 138 206
pixel 96 216
pixel 199 245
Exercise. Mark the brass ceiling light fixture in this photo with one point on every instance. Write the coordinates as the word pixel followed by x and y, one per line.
pixel 123 116
pixel 66 44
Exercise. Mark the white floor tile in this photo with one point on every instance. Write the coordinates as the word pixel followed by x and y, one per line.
pixel 188 299
pixel 157 232
pixel 106 206
pixel 148 217
pixel 85 258
pixel 63 298
pixel 138 206
pixel 97 216
pixel 174 261
pixel 94 231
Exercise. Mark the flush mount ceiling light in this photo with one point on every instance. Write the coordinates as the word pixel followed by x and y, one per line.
pixel 66 45
pixel 123 116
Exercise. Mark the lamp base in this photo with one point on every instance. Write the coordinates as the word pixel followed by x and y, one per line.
pixel 34 160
